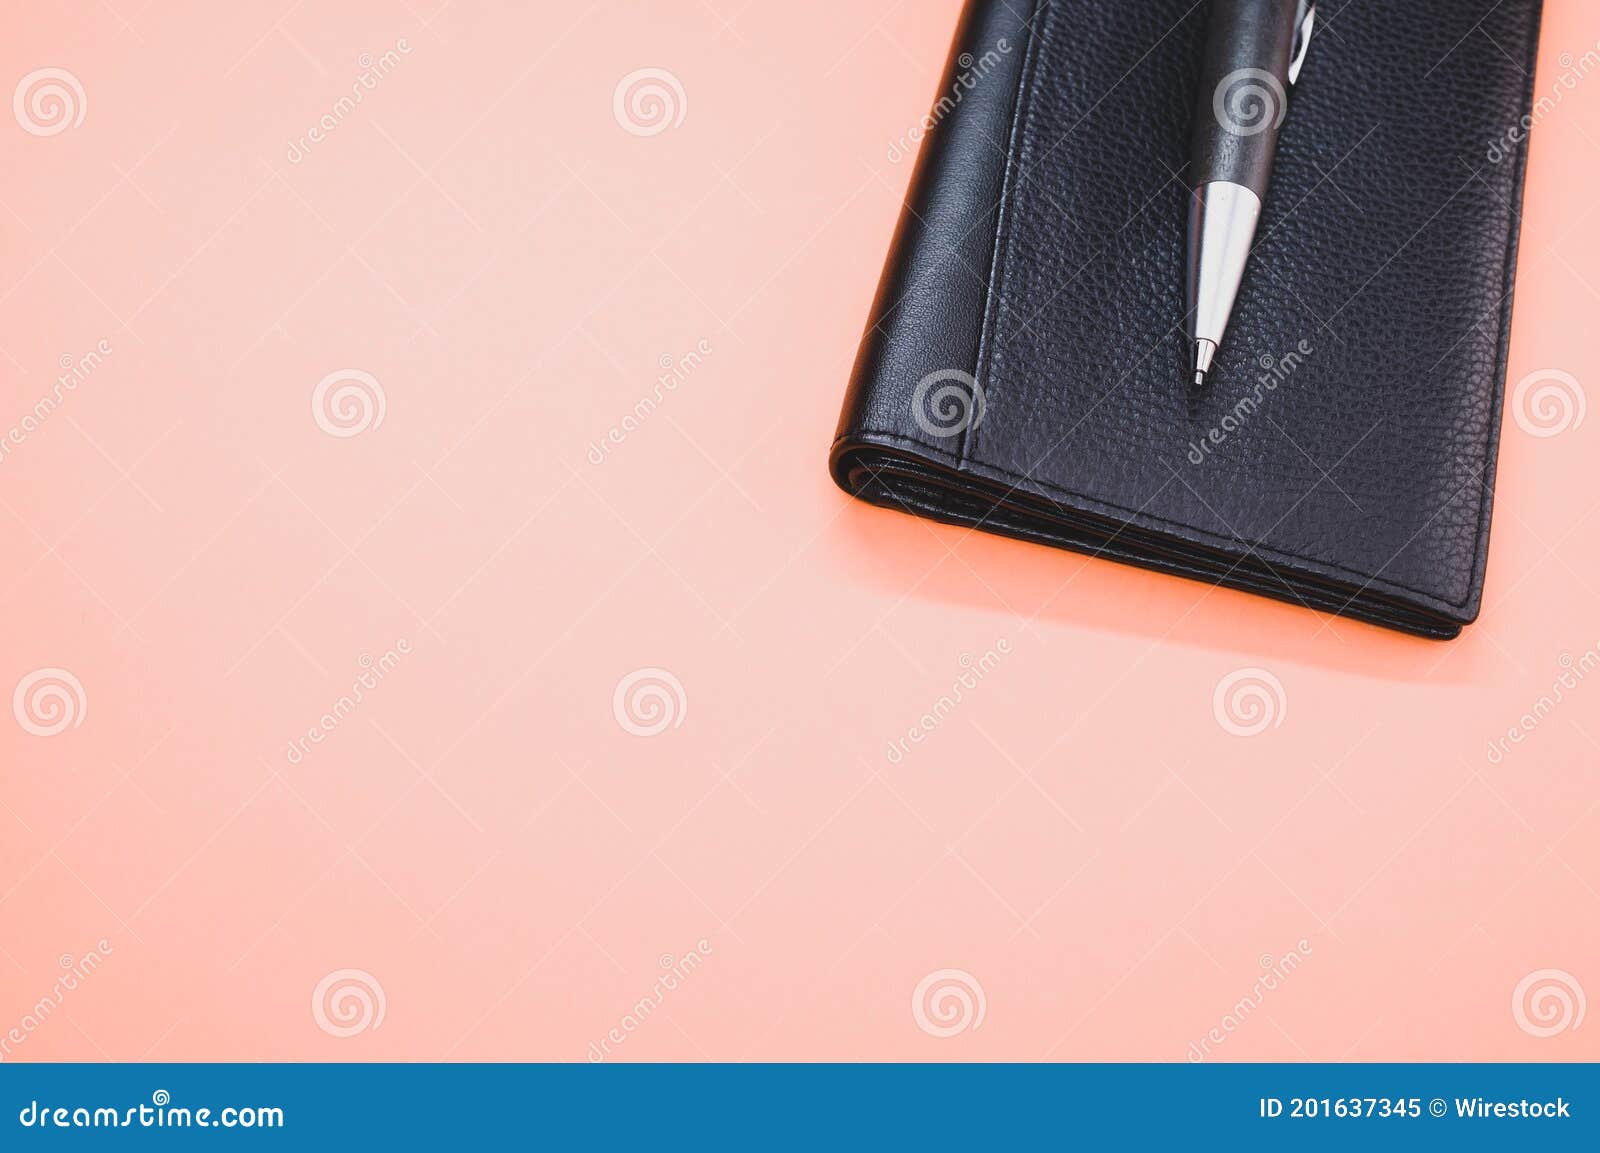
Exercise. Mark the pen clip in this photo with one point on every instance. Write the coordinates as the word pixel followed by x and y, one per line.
pixel 1304 19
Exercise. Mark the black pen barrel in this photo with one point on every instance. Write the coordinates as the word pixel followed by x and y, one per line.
pixel 1243 93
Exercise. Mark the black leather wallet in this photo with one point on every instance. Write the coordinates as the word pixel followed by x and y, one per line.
pixel 1025 368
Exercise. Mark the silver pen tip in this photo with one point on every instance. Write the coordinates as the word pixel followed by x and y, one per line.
pixel 1205 351
pixel 1199 380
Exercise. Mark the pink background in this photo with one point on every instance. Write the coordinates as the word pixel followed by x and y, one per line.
pixel 1080 837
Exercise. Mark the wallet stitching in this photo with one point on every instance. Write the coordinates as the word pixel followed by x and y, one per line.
pixel 1019 146
pixel 998 280
pixel 1410 618
pixel 1000 254
pixel 1508 288
pixel 1134 517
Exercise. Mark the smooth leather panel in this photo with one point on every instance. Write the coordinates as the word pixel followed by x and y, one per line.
pixel 1362 481
pixel 929 309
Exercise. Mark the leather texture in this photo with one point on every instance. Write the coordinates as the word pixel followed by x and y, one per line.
pixel 1024 369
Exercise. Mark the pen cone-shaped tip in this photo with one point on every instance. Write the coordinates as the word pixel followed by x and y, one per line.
pixel 1205 351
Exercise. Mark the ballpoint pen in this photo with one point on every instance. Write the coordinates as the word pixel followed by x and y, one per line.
pixel 1254 53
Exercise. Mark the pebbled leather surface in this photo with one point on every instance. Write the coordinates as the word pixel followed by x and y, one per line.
pixel 1042 253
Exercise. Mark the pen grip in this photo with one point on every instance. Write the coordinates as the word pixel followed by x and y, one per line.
pixel 1244 91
